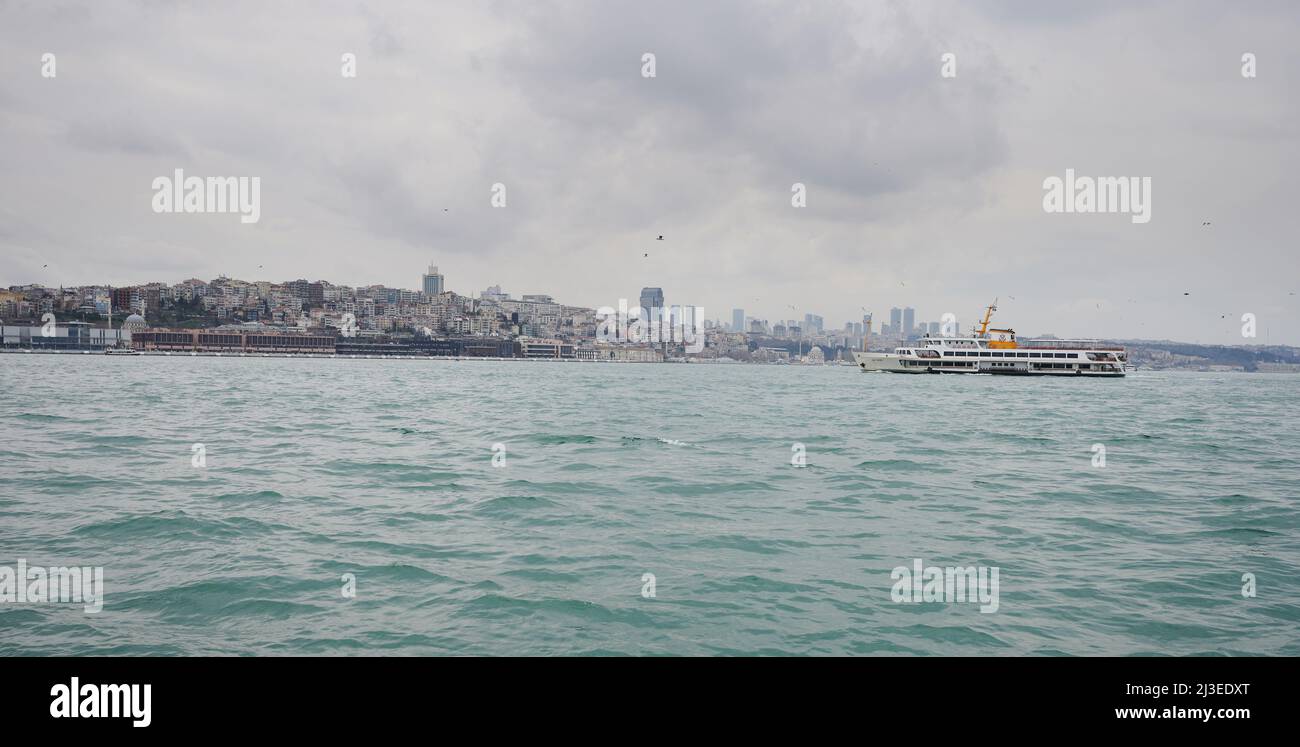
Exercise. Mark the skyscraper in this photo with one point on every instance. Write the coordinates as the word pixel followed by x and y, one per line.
pixel 896 321
pixel 652 303
pixel 432 282
pixel 909 321
pixel 737 320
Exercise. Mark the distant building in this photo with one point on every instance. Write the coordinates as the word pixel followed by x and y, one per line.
pixel 311 295
pixel 231 341
pixel 895 320
pixel 652 302
pixel 65 336
pixel 135 323
pixel 909 321
pixel 737 320
pixel 620 353
pixel 432 282
pixel 493 293
pixel 545 348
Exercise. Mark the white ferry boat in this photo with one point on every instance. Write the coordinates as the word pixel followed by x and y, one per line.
pixel 997 351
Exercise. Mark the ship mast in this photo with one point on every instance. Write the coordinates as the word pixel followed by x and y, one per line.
pixel 988 314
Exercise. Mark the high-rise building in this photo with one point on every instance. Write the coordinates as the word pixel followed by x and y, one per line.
pixel 909 321
pixel 934 329
pixel 652 303
pixel 432 282
pixel 895 320
pixel 812 323
pixel 737 320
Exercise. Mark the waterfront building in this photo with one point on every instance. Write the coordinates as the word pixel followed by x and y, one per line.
pixel 65 336
pixel 534 347
pixel 134 323
pixel 230 341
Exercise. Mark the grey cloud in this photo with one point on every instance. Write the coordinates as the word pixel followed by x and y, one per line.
pixel 923 191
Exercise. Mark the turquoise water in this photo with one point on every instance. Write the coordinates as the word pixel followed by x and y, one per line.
pixel 384 469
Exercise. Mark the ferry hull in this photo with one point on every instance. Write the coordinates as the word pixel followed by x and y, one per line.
pixel 904 364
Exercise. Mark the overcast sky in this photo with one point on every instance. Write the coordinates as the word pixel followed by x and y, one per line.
pixel 921 190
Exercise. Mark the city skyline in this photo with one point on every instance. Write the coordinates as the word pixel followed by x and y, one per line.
pixel 921 190
pixel 902 324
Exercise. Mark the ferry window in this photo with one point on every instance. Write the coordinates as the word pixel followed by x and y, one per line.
pixel 1074 355
pixel 1059 355
pixel 1022 355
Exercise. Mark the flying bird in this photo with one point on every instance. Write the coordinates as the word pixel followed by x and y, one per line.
pixel 661 238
